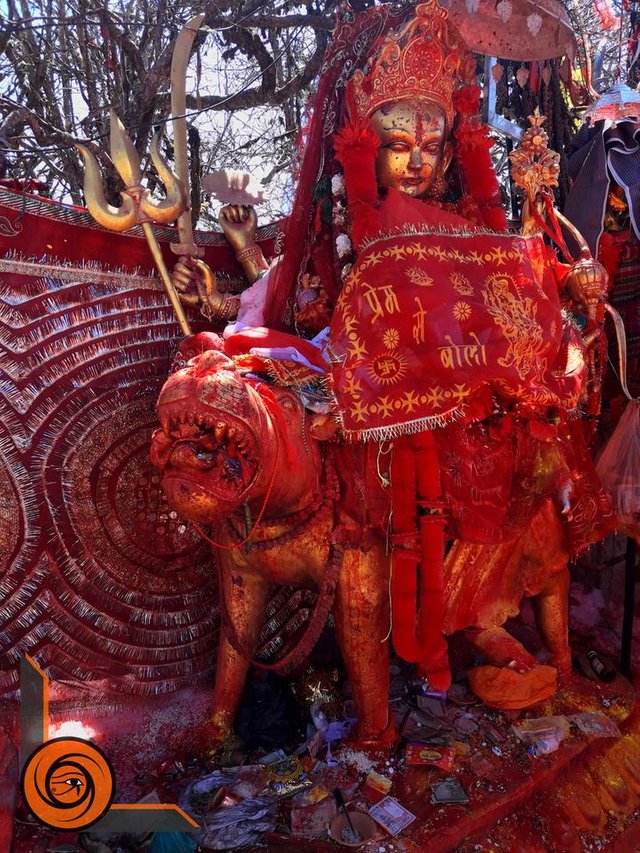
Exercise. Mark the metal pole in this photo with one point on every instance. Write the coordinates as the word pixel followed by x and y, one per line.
pixel 629 606
pixel 166 278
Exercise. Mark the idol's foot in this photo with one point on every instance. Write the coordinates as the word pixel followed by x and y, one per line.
pixel 563 664
pixel 211 739
pixel 379 742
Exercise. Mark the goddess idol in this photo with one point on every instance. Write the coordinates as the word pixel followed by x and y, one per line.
pixel 438 373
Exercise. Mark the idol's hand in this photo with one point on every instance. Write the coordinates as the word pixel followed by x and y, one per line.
pixel 313 309
pixel 314 316
pixel 586 282
pixel 197 285
pixel 187 280
pixel 239 223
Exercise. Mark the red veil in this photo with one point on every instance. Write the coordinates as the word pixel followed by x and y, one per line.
pixel 353 42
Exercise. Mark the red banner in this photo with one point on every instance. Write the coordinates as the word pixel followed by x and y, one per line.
pixel 425 322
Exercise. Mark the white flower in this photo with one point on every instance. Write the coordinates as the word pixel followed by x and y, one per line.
pixel 343 245
pixel 337 185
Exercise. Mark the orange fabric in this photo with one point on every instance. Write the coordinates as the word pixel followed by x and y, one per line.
pixel 507 690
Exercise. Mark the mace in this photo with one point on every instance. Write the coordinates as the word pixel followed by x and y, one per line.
pixel 138 207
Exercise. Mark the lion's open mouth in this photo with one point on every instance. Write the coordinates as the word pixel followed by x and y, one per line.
pixel 220 456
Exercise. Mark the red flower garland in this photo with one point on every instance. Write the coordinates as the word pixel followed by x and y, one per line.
pixel 356 146
pixel 473 146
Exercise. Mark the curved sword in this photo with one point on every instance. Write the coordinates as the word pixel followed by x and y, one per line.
pixel 179 63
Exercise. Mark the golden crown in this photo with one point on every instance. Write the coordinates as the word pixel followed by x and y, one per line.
pixel 426 59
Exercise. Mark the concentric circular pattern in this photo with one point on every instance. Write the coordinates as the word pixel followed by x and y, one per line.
pixel 98 578
pixel 12 526
pixel 68 783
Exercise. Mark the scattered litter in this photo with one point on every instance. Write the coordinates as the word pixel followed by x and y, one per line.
pixel 596 724
pixel 422 727
pixel 433 703
pixel 480 765
pixel 376 786
pixel 391 815
pixel 360 760
pixel 461 749
pixel 545 734
pixel 311 819
pixel 207 784
pixel 287 777
pixel 601 667
pixel 311 796
pixel 448 792
pixel 327 732
pixel 459 695
pixel 420 754
pixel 315 744
pixel 465 725
pixel 248 782
pixel 342 832
pixel 238 825
pixel 492 733
pixel 276 755
pixel 335 777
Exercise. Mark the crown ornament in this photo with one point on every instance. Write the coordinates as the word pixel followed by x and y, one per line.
pixel 426 59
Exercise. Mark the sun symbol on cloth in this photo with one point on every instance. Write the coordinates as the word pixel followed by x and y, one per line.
pixel 391 338
pixel 461 311
pixel 387 369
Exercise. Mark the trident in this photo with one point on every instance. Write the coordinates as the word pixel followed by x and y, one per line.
pixel 137 208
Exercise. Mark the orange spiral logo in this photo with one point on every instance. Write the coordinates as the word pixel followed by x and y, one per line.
pixel 68 783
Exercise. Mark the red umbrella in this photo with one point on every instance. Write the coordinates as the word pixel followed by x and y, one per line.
pixel 514 29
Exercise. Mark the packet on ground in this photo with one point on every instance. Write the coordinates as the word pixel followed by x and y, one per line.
pixel 391 815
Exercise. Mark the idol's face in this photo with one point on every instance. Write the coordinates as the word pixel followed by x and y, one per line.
pixel 413 146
